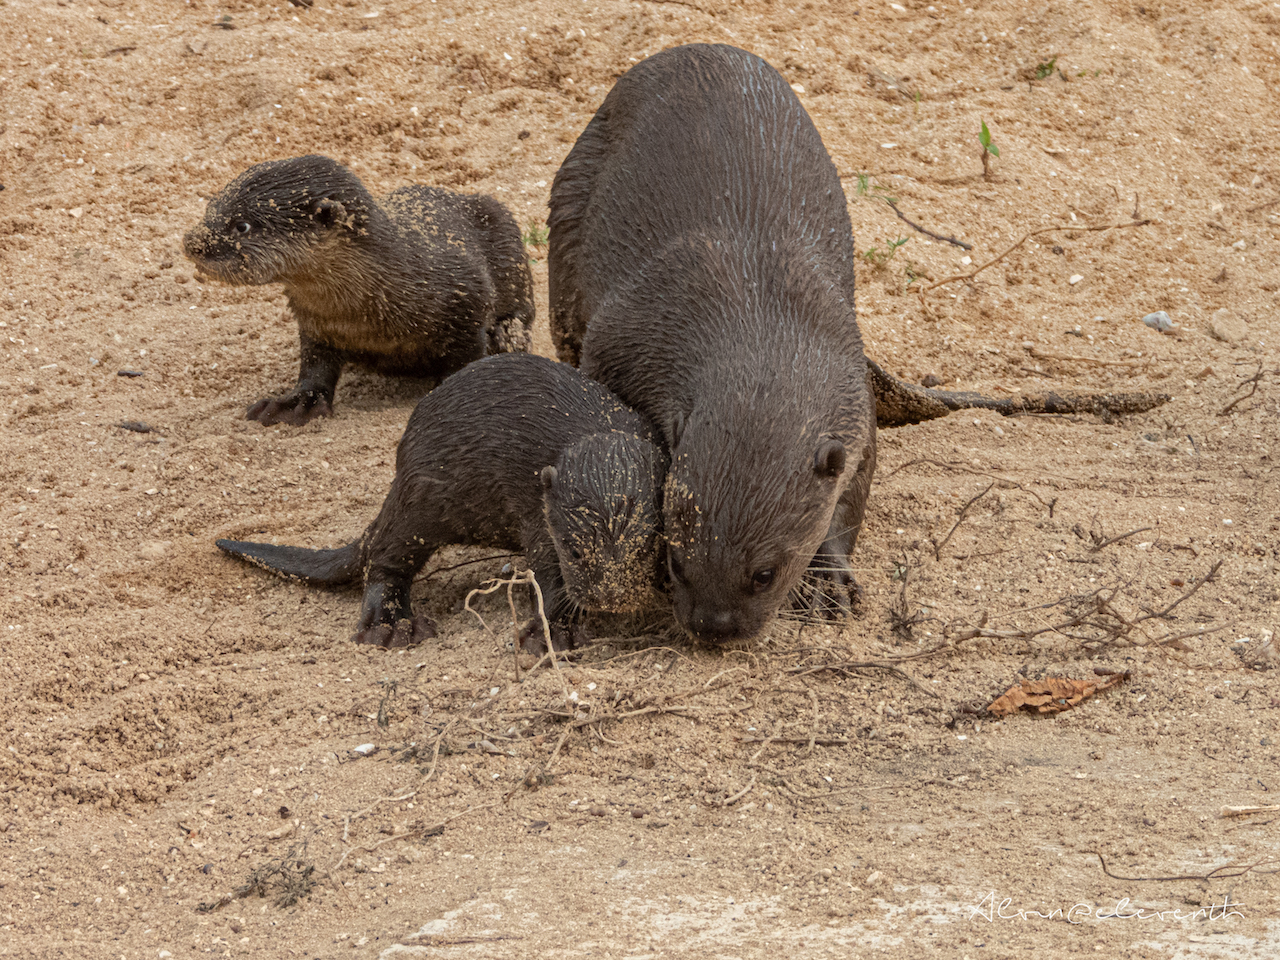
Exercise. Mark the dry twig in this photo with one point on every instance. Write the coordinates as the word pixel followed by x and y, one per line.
pixel 1252 383
pixel 924 305
pixel 937 550
pixel 1218 873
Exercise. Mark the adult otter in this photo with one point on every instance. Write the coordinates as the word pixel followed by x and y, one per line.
pixel 419 284
pixel 513 451
pixel 701 254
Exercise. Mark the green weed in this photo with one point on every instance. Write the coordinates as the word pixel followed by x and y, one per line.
pixel 535 234
pixel 989 150
pixel 1046 68
pixel 878 257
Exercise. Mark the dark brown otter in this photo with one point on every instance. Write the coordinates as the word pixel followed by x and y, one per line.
pixel 513 451
pixel 420 283
pixel 701 257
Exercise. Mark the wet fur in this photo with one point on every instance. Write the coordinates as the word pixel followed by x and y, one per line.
pixel 420 283
pixel 701 266
pixel 472 468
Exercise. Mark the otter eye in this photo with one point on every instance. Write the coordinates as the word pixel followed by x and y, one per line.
pixel 243 228
pixel 761 579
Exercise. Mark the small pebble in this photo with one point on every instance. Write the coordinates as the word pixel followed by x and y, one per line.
pixel 1227 327
pixel 1075 278
pixel 364 749
pixel 1158 321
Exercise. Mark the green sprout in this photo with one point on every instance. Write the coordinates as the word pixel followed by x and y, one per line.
pixel 1046 68
pixel 878 257
pixel 989 150
pixel 535 234
pixel 872 191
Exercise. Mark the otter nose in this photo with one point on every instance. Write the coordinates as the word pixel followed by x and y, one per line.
pixel 716 626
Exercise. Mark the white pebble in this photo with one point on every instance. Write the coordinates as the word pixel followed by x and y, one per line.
pixel 1075 278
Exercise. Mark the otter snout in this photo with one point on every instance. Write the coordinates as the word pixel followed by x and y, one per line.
pixel 712 624
pixel 197 243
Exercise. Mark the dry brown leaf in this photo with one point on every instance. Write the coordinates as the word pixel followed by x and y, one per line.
pixel 1050 695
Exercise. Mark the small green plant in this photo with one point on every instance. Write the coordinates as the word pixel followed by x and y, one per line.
pixel 989 150
pixel 872 191
pixel 1046 68
pixel 878 257
pixel 535 234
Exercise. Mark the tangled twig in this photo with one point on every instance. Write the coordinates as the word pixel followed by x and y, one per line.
pixel 924 305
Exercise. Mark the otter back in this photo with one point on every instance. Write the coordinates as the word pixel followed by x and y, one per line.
pixel 701 261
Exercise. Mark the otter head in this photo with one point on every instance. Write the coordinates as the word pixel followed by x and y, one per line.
pixel 748 501
pixel 602 507
pixel 272 220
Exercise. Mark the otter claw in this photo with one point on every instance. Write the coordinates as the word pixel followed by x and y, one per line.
pixel 396 636
pixel 294 410
pixel 533 640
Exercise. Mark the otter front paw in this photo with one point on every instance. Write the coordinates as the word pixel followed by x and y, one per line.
pixel 827 594
pixel 534 640
pixel 395 636
pixel 297 409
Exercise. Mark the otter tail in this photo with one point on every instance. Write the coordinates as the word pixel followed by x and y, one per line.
pixel 335 566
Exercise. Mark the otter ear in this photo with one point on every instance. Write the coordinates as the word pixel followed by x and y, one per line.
pixel 675 428
pixel 329 213
pixel 829 460
pixel 549 475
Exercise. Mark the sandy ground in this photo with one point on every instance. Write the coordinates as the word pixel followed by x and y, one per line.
pixel 179 728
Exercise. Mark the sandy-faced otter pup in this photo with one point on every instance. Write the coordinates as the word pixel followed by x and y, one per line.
pixel 419 283
pixel 513 451
pixel 702 255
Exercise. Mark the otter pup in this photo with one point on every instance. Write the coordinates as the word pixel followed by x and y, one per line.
pixel 513 451
pixel 701 255
pixel 419 284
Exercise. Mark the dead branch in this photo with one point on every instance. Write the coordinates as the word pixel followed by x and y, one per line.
pixel 1249 811
pixel 729 801
pixel 1096 612
pixel 527 576
pixel 980 473
pixel 1106 543
pixel 849 665
pixel 411 834
pixel 937 550
pixel 1218 873
pixel 435 754
pixel 1252 383
pixel 924 306
pixel 928 233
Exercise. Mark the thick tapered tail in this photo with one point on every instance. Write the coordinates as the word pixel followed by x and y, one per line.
pixel 335 566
